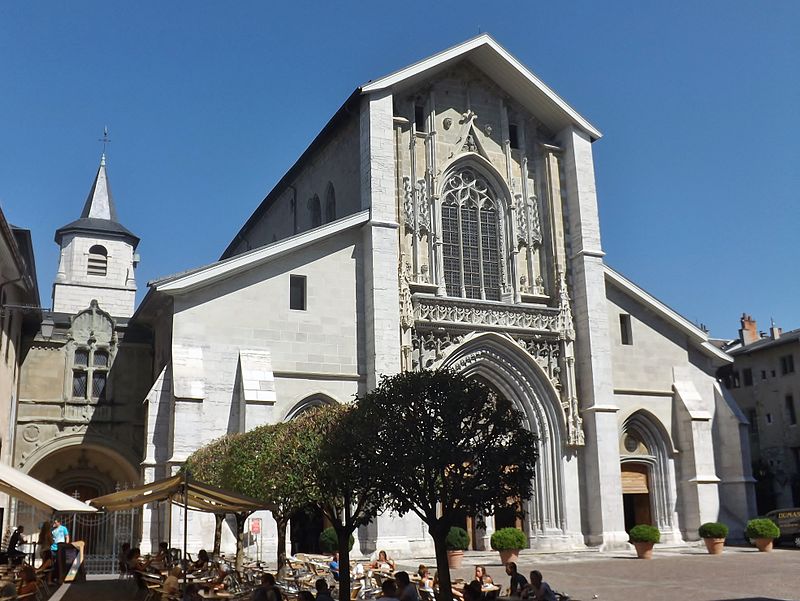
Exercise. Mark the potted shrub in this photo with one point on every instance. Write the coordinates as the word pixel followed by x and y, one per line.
pixel 713 535
pixel 508 541
pixel 457 542
pixel 329 542
pixel 762 532
pixel 643 537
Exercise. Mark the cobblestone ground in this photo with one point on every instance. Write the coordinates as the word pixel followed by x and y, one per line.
pixel 676 574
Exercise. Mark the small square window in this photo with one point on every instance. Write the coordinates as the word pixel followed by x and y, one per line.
pixel 81 357
pixel 297 292
pixel 625 330
pixel 100 359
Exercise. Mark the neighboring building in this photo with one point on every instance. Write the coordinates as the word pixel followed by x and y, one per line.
pixel 79 425
pixel 20 313
pixel 765 381
pixel 447 216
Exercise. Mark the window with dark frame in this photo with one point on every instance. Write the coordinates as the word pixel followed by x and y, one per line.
pixel 763 374
pixel 419 118
pixel 747 375
pixel 791 414
pixel 787 364
pixel 752 417
pixel 513 135
pixel 625 329
pixel 297 292
pixel 90 373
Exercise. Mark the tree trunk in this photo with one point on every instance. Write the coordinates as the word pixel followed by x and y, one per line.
pixel 240 520
pixel 220 518
pixel 343 535
pixel 439 534
pixel 281 523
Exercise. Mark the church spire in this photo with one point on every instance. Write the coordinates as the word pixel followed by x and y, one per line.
pixel 100 203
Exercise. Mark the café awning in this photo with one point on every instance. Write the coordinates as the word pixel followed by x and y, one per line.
pixel 35 492
pixel 200 497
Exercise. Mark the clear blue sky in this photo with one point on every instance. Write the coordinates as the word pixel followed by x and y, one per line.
pixel 208 104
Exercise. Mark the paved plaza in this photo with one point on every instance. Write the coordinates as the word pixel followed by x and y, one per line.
pixel 674 574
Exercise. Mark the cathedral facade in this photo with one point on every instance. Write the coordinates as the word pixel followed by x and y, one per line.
pixel 447 216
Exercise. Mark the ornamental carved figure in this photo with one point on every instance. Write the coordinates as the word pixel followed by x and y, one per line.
pixel 529 232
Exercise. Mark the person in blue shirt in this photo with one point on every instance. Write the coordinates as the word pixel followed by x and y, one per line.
pixel 334 566
pixel 60 535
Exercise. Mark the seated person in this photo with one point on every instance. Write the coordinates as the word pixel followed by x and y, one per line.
pixel 517 582
pixel 334 566
pixel 202 561
pixel 7 589
pixel 425 580
pixel 388 590
pixel 172 584
pixel 539 590
pixel 323 592
pixel 305 596
pixel 481 575
pixel 406 589
pixel 45 569
pixel 383 562
pixel 133 560
pixel 356 571
pixel 159 560
pixel 472 592
pixel 28 584
pixel 14 554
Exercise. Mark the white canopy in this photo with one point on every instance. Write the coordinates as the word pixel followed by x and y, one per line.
pixel 35 492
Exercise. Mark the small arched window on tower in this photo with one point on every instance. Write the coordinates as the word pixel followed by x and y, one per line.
pixel 315 210
pixel 98 261
pixel 330 204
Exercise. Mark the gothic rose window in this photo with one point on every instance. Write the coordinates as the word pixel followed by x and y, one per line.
pixel 470 236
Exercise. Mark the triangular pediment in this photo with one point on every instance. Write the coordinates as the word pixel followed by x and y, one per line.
pixel 503 69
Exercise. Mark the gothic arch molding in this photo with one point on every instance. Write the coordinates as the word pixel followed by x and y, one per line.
pixel 484 167
pixel 317 399
pixel 645 440
pixel 499 360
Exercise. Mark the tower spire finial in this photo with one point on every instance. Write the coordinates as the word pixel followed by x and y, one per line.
pixel 106 141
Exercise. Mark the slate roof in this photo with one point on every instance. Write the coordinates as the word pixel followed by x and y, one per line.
pixel 767 342
pixel 99 215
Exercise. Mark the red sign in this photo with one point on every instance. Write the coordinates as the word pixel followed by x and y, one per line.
pixel 255 526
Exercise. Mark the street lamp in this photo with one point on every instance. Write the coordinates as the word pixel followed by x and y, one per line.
pixel 47 328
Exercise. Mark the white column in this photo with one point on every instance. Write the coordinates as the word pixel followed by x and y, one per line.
pixel 602 492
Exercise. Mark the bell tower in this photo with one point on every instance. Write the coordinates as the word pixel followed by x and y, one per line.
pixel 97 256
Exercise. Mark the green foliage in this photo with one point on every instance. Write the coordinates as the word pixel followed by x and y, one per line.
pixel 762 528
pixel 446 445
pixel 644 533
pixel 457 539
pixel 713 530
pixel 329 542
pixel 208 463
pixel 507 539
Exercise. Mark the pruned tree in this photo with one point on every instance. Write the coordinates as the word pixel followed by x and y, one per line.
pixel 208 464
pixel 340 440
pixel 447 445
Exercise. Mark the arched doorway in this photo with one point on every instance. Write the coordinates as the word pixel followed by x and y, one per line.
pixel 648 475
pixel 306 524
pixel 500 361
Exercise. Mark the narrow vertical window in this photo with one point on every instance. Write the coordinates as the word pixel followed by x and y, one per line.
pixel 747 374
pixel 98 261
pixel 330 204
pixel 450 248
pixel 297 292
pixel 787 364
pixel 625 330
pixel 769 418
pixel 419 118
pixel 791 414
pixel 315 211
pixel 98 385
pixel 752 417
pixel 513 135
pixel 79 384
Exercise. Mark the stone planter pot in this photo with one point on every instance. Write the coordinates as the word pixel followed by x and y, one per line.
pixel 764 544
pixel 714 545
pixel 454 559
pixel 509 555
pixel 644 550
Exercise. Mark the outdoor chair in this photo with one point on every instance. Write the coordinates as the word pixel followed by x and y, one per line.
pixel 354 591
